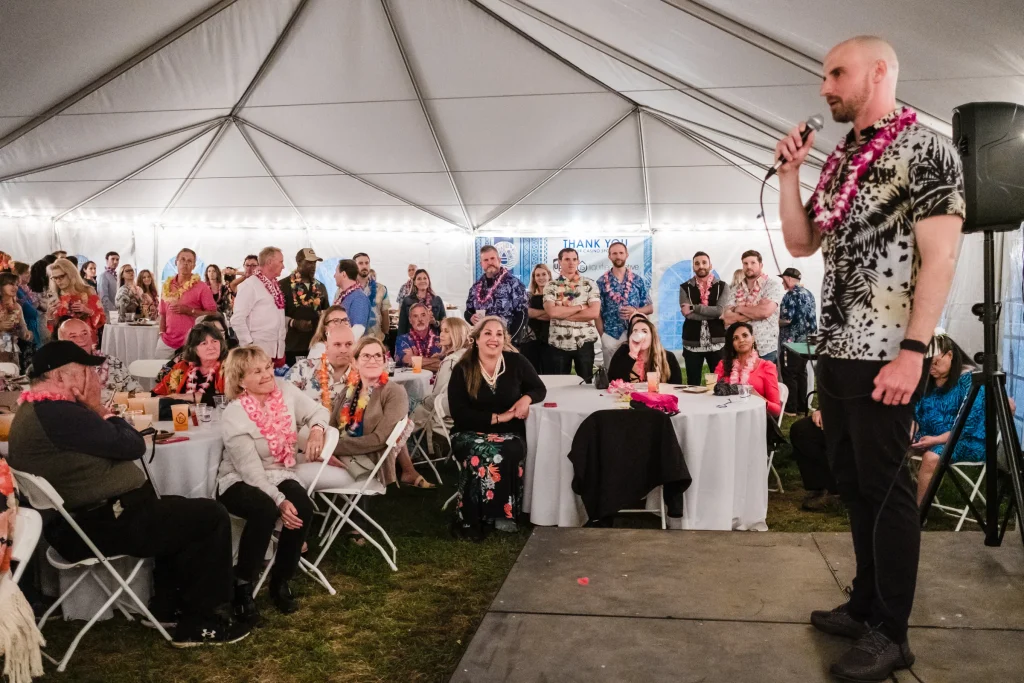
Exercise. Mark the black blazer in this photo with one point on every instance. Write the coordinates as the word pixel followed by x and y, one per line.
pixel 621 366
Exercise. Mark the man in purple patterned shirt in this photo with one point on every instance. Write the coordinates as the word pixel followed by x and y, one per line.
pixel 497 292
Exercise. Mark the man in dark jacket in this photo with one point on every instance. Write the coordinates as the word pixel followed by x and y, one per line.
pixel 700 300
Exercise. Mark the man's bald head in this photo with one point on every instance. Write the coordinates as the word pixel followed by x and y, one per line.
pixel 340 341
pixel 860 79
pixel 75 330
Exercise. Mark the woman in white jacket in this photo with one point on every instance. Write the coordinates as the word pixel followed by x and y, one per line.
pixel 454 343
pixel 257 479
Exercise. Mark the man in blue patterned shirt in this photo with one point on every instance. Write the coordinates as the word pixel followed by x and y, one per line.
pixel 623 295
pixel 798 322
pixel 497 292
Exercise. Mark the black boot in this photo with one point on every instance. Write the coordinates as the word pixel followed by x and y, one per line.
pixel 244 606
pixel 282 596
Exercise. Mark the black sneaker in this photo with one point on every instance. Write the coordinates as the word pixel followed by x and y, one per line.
pixel 838 622
pixel 873 658
pixel 281 595
pixel 244 606
pixel 195 633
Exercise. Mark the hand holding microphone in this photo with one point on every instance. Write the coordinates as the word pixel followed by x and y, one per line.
pixel 791 150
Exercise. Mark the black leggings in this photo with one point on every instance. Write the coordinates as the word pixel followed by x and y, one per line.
pixel 261 516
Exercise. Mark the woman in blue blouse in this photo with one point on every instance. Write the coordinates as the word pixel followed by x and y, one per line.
pixel 947 389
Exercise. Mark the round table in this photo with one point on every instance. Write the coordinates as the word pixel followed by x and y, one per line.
pixel 416 384
pixel 188 468
pixel 725 450
pixel 130 342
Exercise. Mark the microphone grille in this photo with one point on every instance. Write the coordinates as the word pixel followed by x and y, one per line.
pixel 815 122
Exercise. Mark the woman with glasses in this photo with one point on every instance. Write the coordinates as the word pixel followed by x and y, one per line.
pixel 129 295
pixel 70 296
pixel 331 316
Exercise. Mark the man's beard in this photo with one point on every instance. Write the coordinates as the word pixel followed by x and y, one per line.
pixel 847 110
pixel 751 275
pixel 491 271
pixel 702 272
pixel 364 273
pixel 618 262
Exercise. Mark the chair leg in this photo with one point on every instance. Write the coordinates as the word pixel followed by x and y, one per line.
pixel 371 520
pixel 317 575
pixel 266 571
pixel 63 596
pixel 336 529
pixel 119 604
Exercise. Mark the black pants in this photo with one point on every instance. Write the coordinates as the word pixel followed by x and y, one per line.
pixel 190 539
pixel 794 376
pixel 694 362
pixel 867 442
pixel 561 362
pixel 537 352
pixel 261 515
pixel 811 456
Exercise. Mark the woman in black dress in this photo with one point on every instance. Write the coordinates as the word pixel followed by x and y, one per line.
pixel 536 348
pixel 489 396
pixel 641 353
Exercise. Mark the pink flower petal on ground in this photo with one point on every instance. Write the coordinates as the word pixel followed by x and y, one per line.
pixel 583 581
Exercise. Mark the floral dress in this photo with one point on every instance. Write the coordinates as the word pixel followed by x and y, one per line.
pixel 11 316
pixel 490 477
pixel 128 300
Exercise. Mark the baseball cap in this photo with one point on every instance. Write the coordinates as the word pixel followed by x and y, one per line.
pixel 57 354
pixel 307 254
pixel 791 272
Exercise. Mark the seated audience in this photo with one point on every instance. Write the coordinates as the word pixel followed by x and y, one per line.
pixel 365 415
pixel 331 316
pixel 422 293
pixel 490 394
pixel 808 439
pixel 198 375
pixel 257 480
pixel 112 374
pixel 455 342
pixel 741 365
pixel 63 432
pixel 69 296
pixel 323 378
pixel 129 295
pixel 13 329
pixel 949 382
pixel 643 353
pixel 421 340
pixel 215 319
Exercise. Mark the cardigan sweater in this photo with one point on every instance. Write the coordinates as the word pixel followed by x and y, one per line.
pixel 474 415
pixel 388 405
pixel 765 381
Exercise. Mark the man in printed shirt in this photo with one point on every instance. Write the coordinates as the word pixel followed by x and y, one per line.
pixel 574 304
pixel 497 292
pixel 798 322
pixel 379 323
pixel 756 301
pixel 890 253
pixel 623 295
pixel 306 374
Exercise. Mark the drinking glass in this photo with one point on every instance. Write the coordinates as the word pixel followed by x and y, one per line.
pixel 652 382
pixel 744 391
pixel 218 402
pixel 204 412
pixel 417 364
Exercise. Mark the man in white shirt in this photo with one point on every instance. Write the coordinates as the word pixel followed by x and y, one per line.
pixel 259 307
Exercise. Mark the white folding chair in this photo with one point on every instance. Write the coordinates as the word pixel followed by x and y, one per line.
pixel 662 512
pixel 43 496
pixel 27 529
pixel 351 495
pixel 783 396
pixel 421 450
pixel 146 368
pixel 974 485
pixel 439 412
pixel 330 442
pixel 9 370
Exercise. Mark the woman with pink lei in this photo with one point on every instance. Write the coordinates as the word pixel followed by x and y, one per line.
pixel 741 364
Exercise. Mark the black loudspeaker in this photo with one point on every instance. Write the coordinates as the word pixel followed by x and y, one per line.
pixel 990 139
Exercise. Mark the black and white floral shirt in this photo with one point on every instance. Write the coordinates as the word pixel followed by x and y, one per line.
pixel 871 258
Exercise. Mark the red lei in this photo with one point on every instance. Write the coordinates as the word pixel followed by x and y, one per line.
pixel 422 345
pixel 479 302
pixel 272 287
pixel 30 396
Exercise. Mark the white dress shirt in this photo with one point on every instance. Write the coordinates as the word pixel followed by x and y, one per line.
pixel 257 320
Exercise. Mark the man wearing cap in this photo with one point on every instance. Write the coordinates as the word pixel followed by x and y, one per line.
pixel 259 316
pixel 304 298
pixel 63 433
pixel 798 322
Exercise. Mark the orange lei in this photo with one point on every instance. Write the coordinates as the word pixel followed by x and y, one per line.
pixel 351 393
pixel 324 377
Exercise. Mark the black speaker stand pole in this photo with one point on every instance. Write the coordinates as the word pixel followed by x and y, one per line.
pixel 1000 432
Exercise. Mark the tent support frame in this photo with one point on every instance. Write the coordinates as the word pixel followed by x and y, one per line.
pixel 196 166
pixel 270 174
pixel 643 166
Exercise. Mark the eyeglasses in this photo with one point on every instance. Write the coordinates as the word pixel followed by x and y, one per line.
pixel 338 321
pixel 378 357
pixel 58 277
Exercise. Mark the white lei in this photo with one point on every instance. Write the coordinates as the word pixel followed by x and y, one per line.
pixel 499 370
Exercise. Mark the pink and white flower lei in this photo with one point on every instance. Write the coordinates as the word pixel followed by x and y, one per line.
pixel 39 396
pixel 478 301
pixel 827 219
pixel 342 293
pixel 741 375
pixel 620 299
pixel 191 381
pixel 272 287
pixel 275 425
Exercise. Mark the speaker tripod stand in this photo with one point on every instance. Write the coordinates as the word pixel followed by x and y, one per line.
pixel 1000 432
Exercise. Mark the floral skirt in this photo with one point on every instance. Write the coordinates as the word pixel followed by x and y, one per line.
pixel 491 478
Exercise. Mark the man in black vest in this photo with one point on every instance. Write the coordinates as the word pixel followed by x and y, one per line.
pixel 700 300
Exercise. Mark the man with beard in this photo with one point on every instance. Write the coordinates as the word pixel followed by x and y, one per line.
pixel 573 304
pixel 700 302
pixel 886 214
pixel 497 292
pixel 756 301
pixel 304 298
pixel 623 295
pixel 379 323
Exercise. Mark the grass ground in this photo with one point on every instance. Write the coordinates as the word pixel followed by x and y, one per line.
pixel 409 626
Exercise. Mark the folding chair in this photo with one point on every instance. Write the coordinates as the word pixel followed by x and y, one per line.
pixel 351 495
pixel 27 529
pixel 43 496
pixel 330 442
pixel 662 512
pixel 962 470
pixel 439 412
pixel 146 368
pixel 783 395
pixel 420 450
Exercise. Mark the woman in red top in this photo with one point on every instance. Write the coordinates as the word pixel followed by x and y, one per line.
pixel 70 296
pixel 742 365
pixel 197 376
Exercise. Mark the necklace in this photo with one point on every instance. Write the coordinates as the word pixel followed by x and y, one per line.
pixel 423 344
pixel 272 287
pixel 830 214
pixel 751 294
pixel 300 293
pixel 480 301
pixel 180 289
pixel 345 292
pixel 275 425
pixel 354 405
pixel 39 396
pixel 499 370
pixel 627 286
pixel 192 384
pixel 741 375
pixel 323 376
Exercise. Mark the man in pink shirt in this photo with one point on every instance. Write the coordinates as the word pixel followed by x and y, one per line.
pixel 184 297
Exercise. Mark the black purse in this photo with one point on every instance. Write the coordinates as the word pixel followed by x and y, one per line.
pixel 726 389
pixel 601 378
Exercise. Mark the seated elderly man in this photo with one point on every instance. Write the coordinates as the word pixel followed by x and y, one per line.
pixel 63 432
pixel 113 375
pixel 323 378
pixel 421 340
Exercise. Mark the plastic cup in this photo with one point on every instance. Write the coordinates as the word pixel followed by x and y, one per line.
pixel 143 394
pixel 151 406
pixel 137 404
pixel 652 382
pixel 179 415
pixel 142 422
pixel 417 364
pixel 710 379
pixel 5 425
pixel 121 397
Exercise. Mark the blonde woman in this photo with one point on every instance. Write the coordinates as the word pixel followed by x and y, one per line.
pixel 490 394
pixel 455 342
pixel 537 349
pixel 129 295
pixel 257 480
pixel 331 316
pixel 70 296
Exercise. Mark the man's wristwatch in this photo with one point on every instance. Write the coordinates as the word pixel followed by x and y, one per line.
pixel 914 345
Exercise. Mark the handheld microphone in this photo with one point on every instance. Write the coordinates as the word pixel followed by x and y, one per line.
pixel 814 122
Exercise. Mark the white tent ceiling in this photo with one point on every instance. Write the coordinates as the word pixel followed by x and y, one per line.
pixel 446 114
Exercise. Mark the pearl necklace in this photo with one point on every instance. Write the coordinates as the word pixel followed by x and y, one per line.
pixel 499 370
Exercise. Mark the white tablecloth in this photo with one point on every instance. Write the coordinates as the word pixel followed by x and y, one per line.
pixel 725 451
pixel 130 342
pixel 188 468
pixel 417 385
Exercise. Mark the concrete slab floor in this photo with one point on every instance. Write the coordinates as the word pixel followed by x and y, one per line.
pixel 714 575
pixel 961 582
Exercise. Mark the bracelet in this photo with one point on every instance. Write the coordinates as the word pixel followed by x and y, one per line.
pixel 914 346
